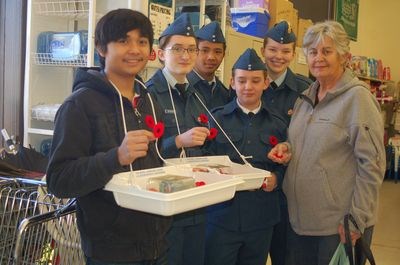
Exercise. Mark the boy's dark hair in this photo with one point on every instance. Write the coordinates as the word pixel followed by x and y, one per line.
pixel 223 46
pixel 116 24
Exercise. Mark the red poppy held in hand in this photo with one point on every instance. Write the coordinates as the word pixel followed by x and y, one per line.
pixel 203 118
pixel 273 140
pixel 213 134
pixel 158 129
pixel 149 120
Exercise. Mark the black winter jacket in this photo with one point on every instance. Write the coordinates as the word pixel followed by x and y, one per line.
pixel 88 131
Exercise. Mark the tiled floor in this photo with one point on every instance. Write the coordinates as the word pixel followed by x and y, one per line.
pixel 386 238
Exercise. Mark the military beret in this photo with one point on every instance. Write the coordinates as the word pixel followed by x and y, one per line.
pixel 180 26
pixel 211 32
pixel 249 61
pixel 282 33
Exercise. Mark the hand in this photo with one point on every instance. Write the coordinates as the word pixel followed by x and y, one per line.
pixel 134 145
pixel 270 183
pixel 280 153
pixel 194 137
pixel 353 235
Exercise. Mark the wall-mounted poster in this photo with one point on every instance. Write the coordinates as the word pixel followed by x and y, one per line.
pixel 346 13
pixel 160 16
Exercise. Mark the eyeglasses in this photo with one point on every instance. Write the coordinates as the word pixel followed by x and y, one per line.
pixel 181 50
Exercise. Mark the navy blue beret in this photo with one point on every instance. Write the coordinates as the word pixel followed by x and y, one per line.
pixel 249 61
pixel 180 26
pixel 211 32
pixel 282 33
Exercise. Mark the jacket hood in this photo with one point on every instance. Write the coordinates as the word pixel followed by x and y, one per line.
pixel 346 82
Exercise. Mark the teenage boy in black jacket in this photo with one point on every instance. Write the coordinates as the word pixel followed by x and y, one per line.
pixel 90 145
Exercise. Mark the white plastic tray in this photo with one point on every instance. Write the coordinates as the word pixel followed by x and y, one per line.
pixel 131 195
pixel 252 177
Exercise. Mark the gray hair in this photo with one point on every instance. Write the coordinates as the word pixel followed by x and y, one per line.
pixel 332 29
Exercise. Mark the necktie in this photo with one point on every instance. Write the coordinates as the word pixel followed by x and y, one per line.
pixel 273 85
pixel 182 90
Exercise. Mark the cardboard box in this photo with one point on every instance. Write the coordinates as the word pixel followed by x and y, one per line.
pixel 294 22
pixel 280 10
pixel 302 27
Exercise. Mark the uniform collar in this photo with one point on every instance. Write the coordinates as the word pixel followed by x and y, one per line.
pixel 246 110
pixel 171 80
pixel 280 79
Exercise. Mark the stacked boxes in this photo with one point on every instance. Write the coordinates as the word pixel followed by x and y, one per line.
pixel 304 24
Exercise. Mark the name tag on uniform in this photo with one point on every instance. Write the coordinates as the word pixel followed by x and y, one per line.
pixel 169 111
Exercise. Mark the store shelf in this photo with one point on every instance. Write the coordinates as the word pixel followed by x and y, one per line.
pixel 48 59
pixel 363 77
pixel 66 8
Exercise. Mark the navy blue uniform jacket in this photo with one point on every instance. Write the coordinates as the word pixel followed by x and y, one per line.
pixel 216 97
pixel 282 99
pixel 251 134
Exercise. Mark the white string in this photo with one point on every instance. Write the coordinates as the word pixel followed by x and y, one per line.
pixel 154 116
pixel 125 129
pixel 222 130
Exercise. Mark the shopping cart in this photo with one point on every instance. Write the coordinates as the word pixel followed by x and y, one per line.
pixel 49 238
pixel 21 199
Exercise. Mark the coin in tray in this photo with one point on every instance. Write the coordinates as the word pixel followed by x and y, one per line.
pixel 170 183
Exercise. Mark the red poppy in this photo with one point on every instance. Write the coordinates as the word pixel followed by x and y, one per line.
pixel 199 183
pixel 158 129
pixel 273 140
pixel 213 134
pixel 203 118
pixel 135 102
pixel 149 120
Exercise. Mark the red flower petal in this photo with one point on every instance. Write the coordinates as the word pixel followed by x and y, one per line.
pixel 199 183
pixel 264 185
pixel 213 134
pixel 158 129
pixel 203 118
pixel 273 140
pixel 149 120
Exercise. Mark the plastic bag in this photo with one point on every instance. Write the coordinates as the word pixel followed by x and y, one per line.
pixel 340 256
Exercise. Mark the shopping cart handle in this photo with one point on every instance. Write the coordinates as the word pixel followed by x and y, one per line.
pixel 66 209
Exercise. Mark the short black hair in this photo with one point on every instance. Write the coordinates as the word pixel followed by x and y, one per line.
pixel 116 24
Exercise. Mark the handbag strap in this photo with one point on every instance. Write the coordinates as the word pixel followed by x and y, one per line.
pixel 366 250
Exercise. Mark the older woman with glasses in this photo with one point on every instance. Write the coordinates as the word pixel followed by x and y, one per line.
pixel 335 141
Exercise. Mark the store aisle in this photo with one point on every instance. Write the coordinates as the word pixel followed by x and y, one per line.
pixel 386 240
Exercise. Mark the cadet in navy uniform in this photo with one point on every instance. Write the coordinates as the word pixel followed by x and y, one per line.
pixel 279 50
pixel 239 231
pixel 183 131
pixel 212 46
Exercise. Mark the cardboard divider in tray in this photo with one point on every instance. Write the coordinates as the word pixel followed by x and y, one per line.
pixel 253 177
pixel 129 189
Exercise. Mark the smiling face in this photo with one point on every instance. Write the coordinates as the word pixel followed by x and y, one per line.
pixel 209 58
pixel 324 61
pixel 127 56
pixel 277 57
pixel 178 63
pixel 249 86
